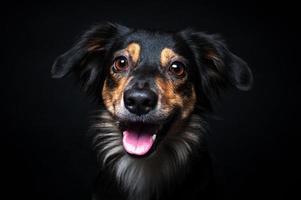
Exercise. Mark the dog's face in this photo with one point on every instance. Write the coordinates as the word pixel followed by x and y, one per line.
pixel 147 87
pixel 151 83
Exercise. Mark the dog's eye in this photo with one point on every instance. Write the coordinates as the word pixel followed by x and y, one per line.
pixel 120 64
pixel 178 69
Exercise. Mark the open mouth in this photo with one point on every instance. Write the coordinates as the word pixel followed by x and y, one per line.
pixel 140 138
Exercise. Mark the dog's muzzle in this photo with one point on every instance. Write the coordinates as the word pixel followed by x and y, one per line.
pixel 139 137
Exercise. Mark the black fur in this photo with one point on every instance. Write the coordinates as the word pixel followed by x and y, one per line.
pixel 182 168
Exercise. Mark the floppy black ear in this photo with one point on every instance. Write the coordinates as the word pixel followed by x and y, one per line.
pixel 218 66
pixel 86 56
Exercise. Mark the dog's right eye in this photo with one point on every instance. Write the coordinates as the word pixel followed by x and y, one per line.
pixel 120 64
pixel 178 69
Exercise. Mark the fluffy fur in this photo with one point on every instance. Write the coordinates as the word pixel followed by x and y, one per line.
pixel 179 165
pixel 137 176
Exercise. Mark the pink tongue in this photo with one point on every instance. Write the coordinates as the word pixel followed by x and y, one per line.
pixel 137 143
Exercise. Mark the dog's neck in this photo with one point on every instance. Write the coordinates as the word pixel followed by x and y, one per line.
pixel 145 178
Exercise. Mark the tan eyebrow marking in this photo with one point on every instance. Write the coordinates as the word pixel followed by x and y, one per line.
pixel 134 50
pixel 166 55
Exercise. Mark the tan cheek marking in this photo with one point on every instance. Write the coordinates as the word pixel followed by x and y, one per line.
pixel 169 98
pixel 166 55
pixel 134 51
pixel 107 97
pixel 112 98
pixel 189 104
pixel 117 93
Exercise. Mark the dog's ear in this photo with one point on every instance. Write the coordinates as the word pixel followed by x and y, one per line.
pixel 218 66
pixel 87 55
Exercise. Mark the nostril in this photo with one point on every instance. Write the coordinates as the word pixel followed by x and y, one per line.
pixel 147 103
pixel 129 101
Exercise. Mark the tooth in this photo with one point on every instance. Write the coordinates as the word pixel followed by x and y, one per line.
pixel 154 137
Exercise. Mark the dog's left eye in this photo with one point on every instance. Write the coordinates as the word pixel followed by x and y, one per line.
pixel 177 68
pixel 120 64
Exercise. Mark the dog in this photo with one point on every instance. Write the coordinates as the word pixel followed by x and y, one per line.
pixel 154 90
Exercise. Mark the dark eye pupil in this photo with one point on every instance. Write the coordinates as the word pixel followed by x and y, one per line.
pixel 177 69
pixel 120 63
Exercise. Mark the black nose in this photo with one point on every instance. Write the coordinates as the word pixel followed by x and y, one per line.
pixel 140 101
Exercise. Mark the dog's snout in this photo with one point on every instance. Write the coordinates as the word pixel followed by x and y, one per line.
pixel 139 101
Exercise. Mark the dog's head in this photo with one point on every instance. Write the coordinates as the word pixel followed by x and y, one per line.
pixel 152 82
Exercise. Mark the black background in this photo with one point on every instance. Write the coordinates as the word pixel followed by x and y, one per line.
pixel 46 151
